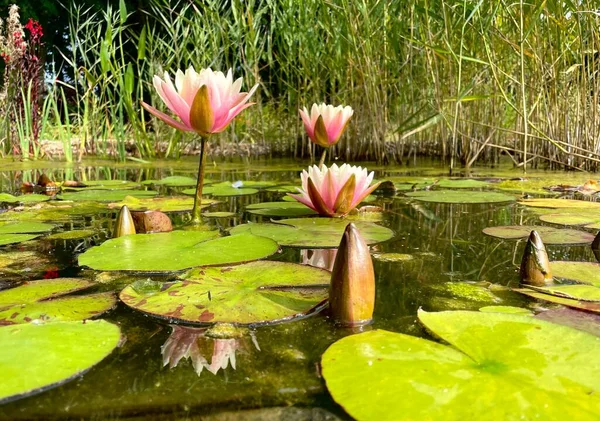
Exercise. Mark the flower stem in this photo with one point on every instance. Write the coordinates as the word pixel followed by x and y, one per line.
pixel 322 161
pixel 196 216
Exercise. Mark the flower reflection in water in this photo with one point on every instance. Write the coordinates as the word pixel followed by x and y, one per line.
pixel 189 343
pixel 319 258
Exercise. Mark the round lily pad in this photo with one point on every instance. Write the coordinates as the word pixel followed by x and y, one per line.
pixel 71 235
pixel 492 360
pixel 106 195
pixel 583 272
pixel 162 204
pixel 284 189
pixel 173 181
pixel 36 301
pixel 570 218
pixel 456 196
pixel 37 357
pixel 24 227
pixel 175 251
pixel 314 232
pixel 550 235
pixel 392 257
pixel 55 211
pixel 104 185
pixel 219 214
pixel 462 183
pixel 289 209
pixel 560 204
pixel 507 310
pixel 591 306
pixel 574 292
pixel 223 189
pixel 249 294
pixel 25 198
pixel 6 239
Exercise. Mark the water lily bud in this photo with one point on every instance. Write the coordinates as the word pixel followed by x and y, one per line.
pixel 352 287
pixel 124 225
pixel 535 266
pixel 596 246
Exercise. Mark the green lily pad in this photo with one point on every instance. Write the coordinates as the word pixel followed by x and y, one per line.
pixel 106 195
pixel 591 306
pixel 24 227
pixel 55 211
pixel 466 291
pixel 6 239
pixel 583 272
pixel 462 183
pixel 223 189
pixel 175 251
pixel 37 357
pixel 574 292
pixel 25 198
pixel 72 235
pixel 284 189
pixel 36 301
pixel 498 367
pixel 249 294
pixel 507 310
pixel 456 196
pixel 392 257
pixel 560 204
pixel 549 235
pixel 104 185
pixel 580 218
pixel 289 209
pixel 219 214
pixel 313 232
pixel 173 181
pixel 162 204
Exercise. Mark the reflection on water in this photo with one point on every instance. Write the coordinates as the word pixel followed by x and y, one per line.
pixel 192 343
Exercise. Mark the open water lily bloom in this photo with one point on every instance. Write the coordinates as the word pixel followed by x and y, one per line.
pixel 334 191
pixel 326 123
pixel 205 102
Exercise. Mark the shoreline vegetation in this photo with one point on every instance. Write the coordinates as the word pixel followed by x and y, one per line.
pixel 465 82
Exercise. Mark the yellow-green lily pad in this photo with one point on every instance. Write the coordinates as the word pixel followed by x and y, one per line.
pixel 249 294
pixel 37 357
pixel 106 195
pixel 582 272
pixel 24 198
pixel 560 204
pixel 550 235
pixel 223 189
pixel 162 204
pixel 287 209
pixel 506 309
pixel 37 301
pixel 175 251
pixel 72 235
pixel 591 306
pixel 574 292
pixel 497 367
pixel 575 219
pixel 459 196
pixel 313 232
pixel 173 181
pixel 462 183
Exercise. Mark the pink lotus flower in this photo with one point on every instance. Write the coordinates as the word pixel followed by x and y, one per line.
pixel 334 191
pixel 326 123
pixel 206 102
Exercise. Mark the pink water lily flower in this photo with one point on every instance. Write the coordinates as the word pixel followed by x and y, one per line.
pixel 334 191
pixel 326 123
pixel 206 102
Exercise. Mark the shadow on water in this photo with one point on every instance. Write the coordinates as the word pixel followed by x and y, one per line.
pixel 270 366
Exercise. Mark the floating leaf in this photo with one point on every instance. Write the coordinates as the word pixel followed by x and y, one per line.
pixel 507 310
pixel 492 360
pixel 24 227
pixel 175 251
pixel 173 181
pixel 72 235
pixel 549 235
pixel 103 185
pixel 314 232
pixel 580 218
pixel 25 198
pixel 219 214
pixel 574 292
pixel 462 183
pixel 253 293
pixel 288 209
pixel 37 357
pixel 36 301
pixel 284 189
pixel 455 196
pixel 392 257
pixel 223 189
pixel 55 211
pixel 6 239
pixel 582 305
pixel 583 272
pixel 106 195
pixel 582 320
pixel 560 204
pixel 162 204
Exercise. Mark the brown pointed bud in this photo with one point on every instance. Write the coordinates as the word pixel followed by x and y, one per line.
pixel 124 225
pixel 535 266
pixel 352 287
pixel 151 221
pixel 596 246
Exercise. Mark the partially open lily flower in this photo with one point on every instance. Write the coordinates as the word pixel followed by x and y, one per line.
pixel 326 123
pixel 334 191
pixel 206 102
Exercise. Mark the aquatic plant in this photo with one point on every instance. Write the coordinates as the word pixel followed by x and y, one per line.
pixel 325 124
pixel 206 103
pixel 535 266
pixel 334 191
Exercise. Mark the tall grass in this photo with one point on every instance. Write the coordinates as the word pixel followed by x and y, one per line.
pixel 467 81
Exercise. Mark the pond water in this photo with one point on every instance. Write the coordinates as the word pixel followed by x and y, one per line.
pixel 446 263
